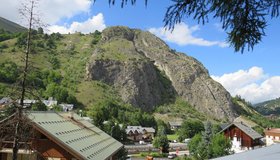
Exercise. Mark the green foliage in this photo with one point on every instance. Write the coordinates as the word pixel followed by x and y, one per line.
pixel 59 93
pixel 259 129
pixel 115 131
pixel 3 46
pixel 269 107
pixel 113 110
pixel 39 106
pixel 21 40
pixel 2 90
pixel 162 143
pixel 40 30
pixel 5 35
pixel 8 110
pixel 35 79
pixel 246 109
pixel 208 145
pixel 57 108
pixel 122 154
pixel 163 127
pixel 220 146
pixel 55 62
pixel 207 134
pixel 96 37
pixel 197 147
pixel 190 128
pixel 264 122
pixel 51 77
pixel 180 109
pixel 9 72
pixel 50 43
pixel 153 154
pixel 216 128
pixel 56 91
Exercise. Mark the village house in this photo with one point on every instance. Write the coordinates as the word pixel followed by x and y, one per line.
pixel 175 125
pixel 272 135
pixel 242 136
pixel 50 102
pixel 61 136
pixel 138 133
pixel 66 107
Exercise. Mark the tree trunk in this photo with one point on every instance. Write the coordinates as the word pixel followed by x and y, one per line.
pixel 23 85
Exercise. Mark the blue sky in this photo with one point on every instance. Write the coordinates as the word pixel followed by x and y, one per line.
pixel 254 75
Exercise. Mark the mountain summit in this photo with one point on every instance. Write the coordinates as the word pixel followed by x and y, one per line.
pixel 147 73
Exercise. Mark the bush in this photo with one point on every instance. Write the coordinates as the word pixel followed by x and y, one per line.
pixel 39 106
pixel 190 128
pixel 3 46
pixel 9 72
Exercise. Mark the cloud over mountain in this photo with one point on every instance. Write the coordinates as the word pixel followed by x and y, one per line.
pixel 183 35
pixel 253 84
pixel 52 11
pixel 94 23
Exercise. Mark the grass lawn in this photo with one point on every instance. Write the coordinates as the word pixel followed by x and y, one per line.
pixel 153 154
pixel 172 136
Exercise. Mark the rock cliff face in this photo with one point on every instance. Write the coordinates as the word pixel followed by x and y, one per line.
pixel 147 73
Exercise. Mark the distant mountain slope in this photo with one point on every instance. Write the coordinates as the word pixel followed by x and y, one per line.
pixel 269 107
pixel 147 73
pixel 129 66
pixel 10 26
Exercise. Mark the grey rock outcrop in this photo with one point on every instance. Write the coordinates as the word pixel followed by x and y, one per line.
pixel 147 73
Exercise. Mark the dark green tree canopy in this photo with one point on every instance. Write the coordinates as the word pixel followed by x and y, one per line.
pixel 243 20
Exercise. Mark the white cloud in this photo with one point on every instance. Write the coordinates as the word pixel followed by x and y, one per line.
pixel 253 84
pixel 183 35
pixel 90 25
pixel 51 10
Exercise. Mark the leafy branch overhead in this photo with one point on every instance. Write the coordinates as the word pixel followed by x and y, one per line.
pixel 243 20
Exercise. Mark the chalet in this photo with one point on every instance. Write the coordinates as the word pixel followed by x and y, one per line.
pixel 61 136
pixel 50 102
pixel 138 133
pixel 272 135
pixel 66 107
pixel 28 102
pixel 175 125
pixel 242 136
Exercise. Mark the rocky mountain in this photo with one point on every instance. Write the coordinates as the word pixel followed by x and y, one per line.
pixel 269 107
pixel 10 26
pixel 147 73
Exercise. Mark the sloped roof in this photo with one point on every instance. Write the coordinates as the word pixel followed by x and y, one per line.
pixel 149 129
pixel 265 153
pixel 245 120
pixel 272 130
pixel 75 134
pixel 249 131
pixel 139 129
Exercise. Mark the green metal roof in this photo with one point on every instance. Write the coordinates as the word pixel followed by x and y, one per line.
pixel 77 134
